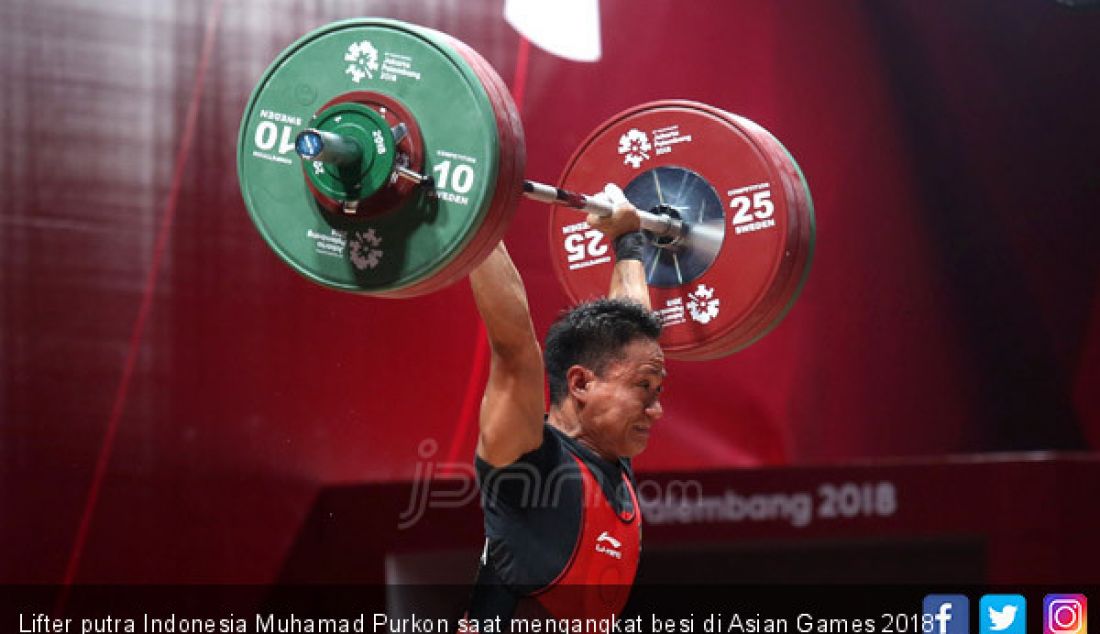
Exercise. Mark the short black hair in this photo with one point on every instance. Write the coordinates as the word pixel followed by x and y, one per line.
pixel 592 335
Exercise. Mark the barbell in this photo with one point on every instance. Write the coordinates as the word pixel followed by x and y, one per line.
pixel 384 158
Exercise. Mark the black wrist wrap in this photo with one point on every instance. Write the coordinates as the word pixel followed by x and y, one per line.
pixel 629 246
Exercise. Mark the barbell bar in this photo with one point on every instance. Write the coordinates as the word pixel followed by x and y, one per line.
pixel 334 149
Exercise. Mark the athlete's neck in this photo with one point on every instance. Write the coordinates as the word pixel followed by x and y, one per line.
pixel 566 420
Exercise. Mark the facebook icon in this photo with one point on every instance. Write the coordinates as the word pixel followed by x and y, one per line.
pixel 946 614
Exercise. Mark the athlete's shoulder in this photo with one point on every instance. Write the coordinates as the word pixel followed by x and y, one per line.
pixel 544 458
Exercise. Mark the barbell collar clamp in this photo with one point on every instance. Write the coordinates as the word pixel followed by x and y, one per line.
pixel 415 177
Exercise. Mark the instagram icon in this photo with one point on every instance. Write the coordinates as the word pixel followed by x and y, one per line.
pixel 1065 614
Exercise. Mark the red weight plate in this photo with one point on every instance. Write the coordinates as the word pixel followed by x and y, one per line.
pixel 509 180
pixel 793 274
pixel 795 266
pixel 513 149
pixel 480 244
pixel 509 176
pixel 774 305
pixel 790 278
pixel 499 214
pixel 511 165
pixel 744 199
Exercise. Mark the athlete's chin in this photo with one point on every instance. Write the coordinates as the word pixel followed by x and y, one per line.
pixel 637 439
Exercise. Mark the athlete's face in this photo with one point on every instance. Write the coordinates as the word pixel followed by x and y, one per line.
pixel 620 405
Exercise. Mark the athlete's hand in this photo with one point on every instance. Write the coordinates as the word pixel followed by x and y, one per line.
pixel 623 220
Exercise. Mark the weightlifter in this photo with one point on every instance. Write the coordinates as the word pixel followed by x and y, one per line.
pixel 562 521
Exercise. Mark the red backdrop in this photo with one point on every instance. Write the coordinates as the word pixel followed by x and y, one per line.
pixel 150 337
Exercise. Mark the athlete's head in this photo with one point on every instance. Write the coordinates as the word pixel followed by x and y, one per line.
pixel 602 357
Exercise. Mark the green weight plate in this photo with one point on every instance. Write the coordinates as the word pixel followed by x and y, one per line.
pixel 401 249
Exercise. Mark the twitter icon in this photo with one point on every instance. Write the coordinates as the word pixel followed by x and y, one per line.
pixel 1002 614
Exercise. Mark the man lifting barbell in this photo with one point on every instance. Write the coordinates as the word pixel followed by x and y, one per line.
pixel 557 488
pixel 404 187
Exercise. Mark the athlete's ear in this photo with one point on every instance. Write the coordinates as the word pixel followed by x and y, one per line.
pixel 579 380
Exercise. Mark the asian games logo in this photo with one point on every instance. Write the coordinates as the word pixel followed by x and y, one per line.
pixel 362 60
pixel 635 146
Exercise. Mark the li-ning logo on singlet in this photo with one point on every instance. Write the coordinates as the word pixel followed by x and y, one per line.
pixel 615 545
